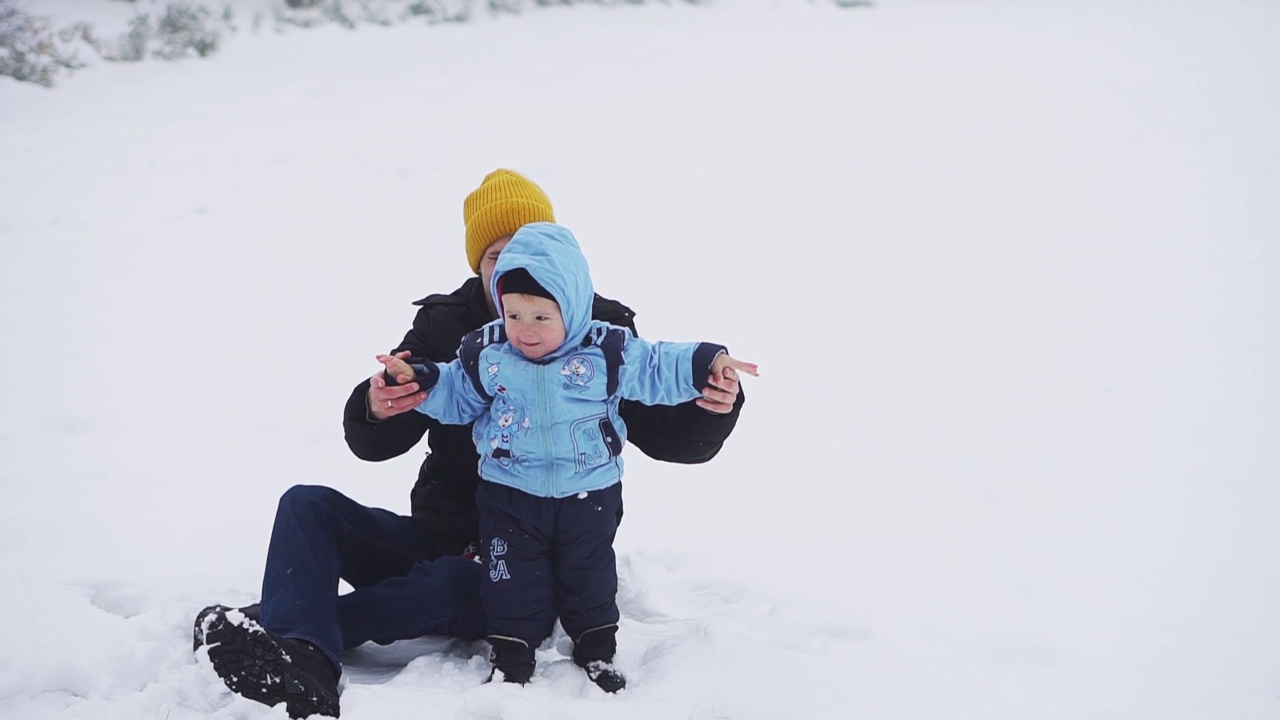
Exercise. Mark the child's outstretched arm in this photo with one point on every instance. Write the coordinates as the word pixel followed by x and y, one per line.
pixel 667 373
pixel 450 397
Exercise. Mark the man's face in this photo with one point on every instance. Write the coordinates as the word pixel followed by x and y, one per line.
pixel 487 261
pixel 534 325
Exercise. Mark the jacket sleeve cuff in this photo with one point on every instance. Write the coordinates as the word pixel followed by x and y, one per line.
pixel 703 356
pixel 425 373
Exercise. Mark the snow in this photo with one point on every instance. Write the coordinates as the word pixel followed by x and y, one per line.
pixel 1009 270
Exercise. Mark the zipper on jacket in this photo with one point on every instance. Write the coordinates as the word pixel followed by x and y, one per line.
pixel 544 422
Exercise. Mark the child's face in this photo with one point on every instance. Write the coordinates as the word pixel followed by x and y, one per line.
pixel 534 324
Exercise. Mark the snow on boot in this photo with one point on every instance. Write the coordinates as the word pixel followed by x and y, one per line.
pixel 253 612
pixel 593 651
pixel 512 657
pixel 604 674
pixel 258 664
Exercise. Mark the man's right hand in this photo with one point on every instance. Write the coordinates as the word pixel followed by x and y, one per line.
pixel 386 401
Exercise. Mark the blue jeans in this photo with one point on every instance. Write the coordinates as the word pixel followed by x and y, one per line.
pixel 403 588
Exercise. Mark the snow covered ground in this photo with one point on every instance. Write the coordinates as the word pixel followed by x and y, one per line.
pixel 1010 269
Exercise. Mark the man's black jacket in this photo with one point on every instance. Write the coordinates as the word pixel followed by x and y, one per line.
pixel 443 500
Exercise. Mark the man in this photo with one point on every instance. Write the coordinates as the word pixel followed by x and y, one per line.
pixel 412 576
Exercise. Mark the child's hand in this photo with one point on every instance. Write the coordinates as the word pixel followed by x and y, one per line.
pixel 721 392
pixel 396 368
pixel 387 400
pixel 724 363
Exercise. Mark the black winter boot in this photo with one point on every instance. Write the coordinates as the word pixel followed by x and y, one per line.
pixel 512 657
pixel 593 651
pixel 262 666
pixel 253 612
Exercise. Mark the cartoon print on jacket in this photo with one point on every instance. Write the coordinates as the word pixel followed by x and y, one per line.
pixel 503 432
pixel 578 372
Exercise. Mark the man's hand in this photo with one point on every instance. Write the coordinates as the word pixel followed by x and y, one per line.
pixel 386 401
pixel 722 384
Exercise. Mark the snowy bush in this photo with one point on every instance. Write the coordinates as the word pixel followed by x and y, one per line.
pixel 31 51
pixel 184 29
pixel 437 11
pixel 180 30
pixel 130 47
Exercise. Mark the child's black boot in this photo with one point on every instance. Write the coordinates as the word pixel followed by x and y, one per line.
pixel 512 657
pixel 593 651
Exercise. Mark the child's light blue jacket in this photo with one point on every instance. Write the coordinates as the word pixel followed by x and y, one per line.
pixel 551 429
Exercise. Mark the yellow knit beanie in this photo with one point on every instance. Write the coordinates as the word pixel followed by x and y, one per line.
pixel 505 202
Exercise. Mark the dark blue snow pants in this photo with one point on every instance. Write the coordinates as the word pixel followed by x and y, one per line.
pixel 402 588
pixel 548 557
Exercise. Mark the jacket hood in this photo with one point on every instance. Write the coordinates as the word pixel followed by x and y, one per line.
pixel 551 254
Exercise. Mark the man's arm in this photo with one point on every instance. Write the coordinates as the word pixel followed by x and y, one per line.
pixel 377 440
pixel 684 433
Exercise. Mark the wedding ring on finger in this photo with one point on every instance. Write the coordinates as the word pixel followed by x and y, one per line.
pixel 388 403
